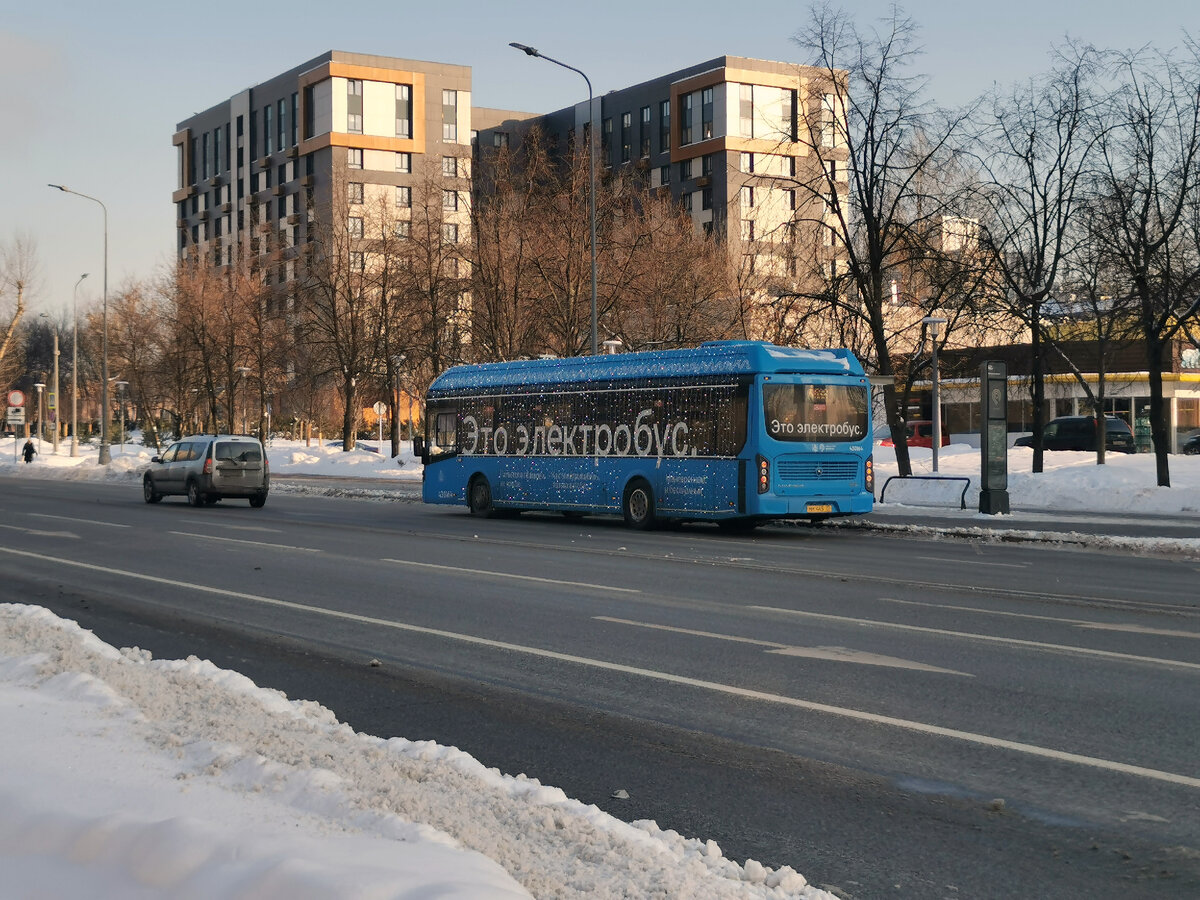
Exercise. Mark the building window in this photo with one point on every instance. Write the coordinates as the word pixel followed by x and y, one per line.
pixel 706 114
pixel 449 199
pixel 354 106
pixel 355 192
pixel 358 262
pixel 449 115
pixel 403 228
pixel 204 154
pixel 685 120
pixel 664 174
pixel 792 199
pixel 706 164
pixel 685 170
pixel 268 131
pixel 450 233
pixel 664 126
pixel 404 162
pixel 748 230
pixel 644 135
pixel 747 195
pixel 828 117
pixel 218 154
pixel 354 158
pixel 606 142
pixel 746 162
pixel 746 110
pixel 706 198
pixel 282 107
pixel 295 118
pixel 403 196
pixel 355 226
pixel 499 139
pixel 626 136
pixel 450 166
pixel 686 200
pixel 789 115
pixel 404 110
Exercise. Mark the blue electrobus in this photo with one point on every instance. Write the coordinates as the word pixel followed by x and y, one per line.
pixel 735 432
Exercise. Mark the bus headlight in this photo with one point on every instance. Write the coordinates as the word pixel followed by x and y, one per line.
pixel 764 474
pixel 870 474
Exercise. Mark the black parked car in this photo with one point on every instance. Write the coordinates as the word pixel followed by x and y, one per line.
pixel 1192 445
pixel 1079 433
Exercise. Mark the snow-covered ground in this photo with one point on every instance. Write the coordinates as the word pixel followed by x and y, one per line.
pixel 127 777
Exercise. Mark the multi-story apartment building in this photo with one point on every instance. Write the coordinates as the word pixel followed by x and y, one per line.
pixel 258 169
pixel 731 139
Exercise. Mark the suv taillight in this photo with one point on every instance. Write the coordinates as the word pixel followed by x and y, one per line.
pixel 764 474
pixel 208 465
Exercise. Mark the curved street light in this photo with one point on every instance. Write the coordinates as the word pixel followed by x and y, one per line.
pixel 532 51
pixel 105 454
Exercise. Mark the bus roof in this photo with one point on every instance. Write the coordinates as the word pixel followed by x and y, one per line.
pixel 712 358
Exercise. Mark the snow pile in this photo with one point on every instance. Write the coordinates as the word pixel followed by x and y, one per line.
pixel 128 777
pixel 1070 481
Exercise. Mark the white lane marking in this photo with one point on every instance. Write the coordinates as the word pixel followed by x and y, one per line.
pixel 71 519
pixel 718 687
pixel 486 574
pixel 959 562
pixel 1079 623
pixel 213 537
pixel 37 533
pixel 970 635
pixel 251 528
pixel 833 654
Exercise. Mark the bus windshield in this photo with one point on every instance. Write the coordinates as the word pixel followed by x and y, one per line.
pixel 815 412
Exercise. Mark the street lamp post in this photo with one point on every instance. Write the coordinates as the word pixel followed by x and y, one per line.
pixel 532 51
pixel 75 367
pixel 105 453
pixel 932 322
pixel 121 385
pixel 54 387
pixel 41 385
pixel 242 371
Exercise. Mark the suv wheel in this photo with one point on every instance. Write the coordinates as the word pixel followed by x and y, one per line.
pixel 148 491
pixel 258 500
pixel 195 498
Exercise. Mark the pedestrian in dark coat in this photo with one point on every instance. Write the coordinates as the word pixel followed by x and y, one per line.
pixel 29 450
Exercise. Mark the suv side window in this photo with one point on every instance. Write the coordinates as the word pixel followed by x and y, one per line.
pixel 169 453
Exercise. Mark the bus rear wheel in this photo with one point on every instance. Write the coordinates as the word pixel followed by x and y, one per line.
pixel 639 505
pixel 479 497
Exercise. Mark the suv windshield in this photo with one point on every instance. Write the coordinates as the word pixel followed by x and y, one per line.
pixel 815 412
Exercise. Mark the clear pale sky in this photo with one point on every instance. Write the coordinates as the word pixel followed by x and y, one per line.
pixel 92 91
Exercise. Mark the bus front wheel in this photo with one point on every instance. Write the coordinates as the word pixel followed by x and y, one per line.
pixel 639 505
pixel 479 497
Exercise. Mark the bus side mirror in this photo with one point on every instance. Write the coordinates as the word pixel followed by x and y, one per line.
pixel 419 447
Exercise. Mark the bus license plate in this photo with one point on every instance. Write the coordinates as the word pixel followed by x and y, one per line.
pixel 820 507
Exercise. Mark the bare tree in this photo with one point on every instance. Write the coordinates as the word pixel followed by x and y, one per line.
pixel 339 316
pixel 1149 196
pixel 18 275
pixel 870 122
pixel 1033 148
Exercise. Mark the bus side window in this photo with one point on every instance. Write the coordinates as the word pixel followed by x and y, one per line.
pixel 445 435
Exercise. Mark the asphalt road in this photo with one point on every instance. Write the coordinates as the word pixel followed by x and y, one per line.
pixel 891 715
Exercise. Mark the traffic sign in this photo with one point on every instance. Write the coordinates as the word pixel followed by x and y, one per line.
pixel 16 415
pixel 16 398
pixel 380 407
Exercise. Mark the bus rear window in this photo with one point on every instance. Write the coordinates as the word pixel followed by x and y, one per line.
pixel 815 412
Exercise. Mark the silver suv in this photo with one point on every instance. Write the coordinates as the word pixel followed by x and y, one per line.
pixel 209 467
